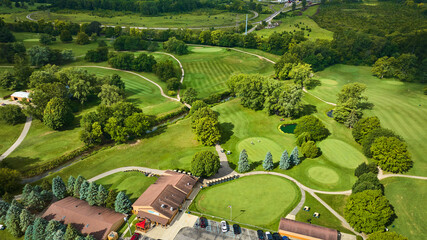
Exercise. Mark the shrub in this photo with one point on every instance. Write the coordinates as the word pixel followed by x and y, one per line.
pixel 364 126
pixel 12 114
pixel 82 38
pixel 367 181
pixel 369 139
pixel 309 149
pixel 313 126
pixel 365 168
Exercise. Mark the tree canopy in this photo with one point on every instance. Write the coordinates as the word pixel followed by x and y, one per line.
pixel 312 126
pixel 391 154
pixel 205 164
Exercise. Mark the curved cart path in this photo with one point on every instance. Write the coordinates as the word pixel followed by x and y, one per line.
pixel 381 175
pixel 19 140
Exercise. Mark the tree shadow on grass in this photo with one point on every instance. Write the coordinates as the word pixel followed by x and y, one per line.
pixel 254 165
pixel 24 162
pixel 366 105
pixel 308 109
pixel 226 131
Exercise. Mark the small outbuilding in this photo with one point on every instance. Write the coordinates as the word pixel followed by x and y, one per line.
pixel 306 231
pixel 18 96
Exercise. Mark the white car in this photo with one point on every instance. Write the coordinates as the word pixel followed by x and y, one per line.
pixel 224 227
pixel 2 227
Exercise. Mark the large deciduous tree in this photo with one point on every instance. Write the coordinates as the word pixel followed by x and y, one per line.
pixel 57 114
pixel 110 94
pixel 205 164
pixel 10 180
pixel 312 126
pixel 364 126
pixel 174 45
pixel 367 181
pixel 12 114
pixel 386 236
pixel 391 154
pixel 368 211
pixel 309 149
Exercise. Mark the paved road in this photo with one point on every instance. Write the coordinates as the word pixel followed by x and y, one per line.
pixel 19 140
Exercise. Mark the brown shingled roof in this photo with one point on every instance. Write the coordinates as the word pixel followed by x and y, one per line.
pixel 308 229
pixel 170 190
pixel 87 219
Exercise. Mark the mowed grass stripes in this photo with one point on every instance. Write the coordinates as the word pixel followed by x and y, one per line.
pixel 400 106
pixel 208 72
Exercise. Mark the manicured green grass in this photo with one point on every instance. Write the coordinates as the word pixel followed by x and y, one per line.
pixel 326 219
pixel 208 72
pixel 167 148
pixel 4 92
pixel 42 144
pixel 289 24
pixel 260 200
pixel 8 135
pixel 270 56
pixel 408 199
pixel 400 106
pixel 132 183
pixel 344 154
pixel 337 202
pixel 132 221
pixel 198 18
pixel 141 92
pixel 247 126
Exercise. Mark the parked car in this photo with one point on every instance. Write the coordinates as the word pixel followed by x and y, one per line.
pixel 236 229
pixel 224 226
pixel 135 236
pixel 2 227
pixel 269 236
pixel 260 234
pixel 203 222
pixel 285 238
pixel 276 236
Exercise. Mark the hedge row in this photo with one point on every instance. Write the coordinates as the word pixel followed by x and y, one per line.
pixel 44 167
pixel 171 115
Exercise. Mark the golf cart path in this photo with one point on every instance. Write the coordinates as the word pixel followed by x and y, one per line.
pixel 381 175
pixel 19 140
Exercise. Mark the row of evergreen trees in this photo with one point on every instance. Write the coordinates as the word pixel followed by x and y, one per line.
pixel 92 193
pixel 286 161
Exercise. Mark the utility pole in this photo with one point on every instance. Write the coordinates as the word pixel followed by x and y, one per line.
pixel 126 220
pixel 246 31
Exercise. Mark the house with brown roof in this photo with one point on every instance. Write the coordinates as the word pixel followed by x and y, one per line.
pixel 306 231
pixel 162 200
pixel 94 220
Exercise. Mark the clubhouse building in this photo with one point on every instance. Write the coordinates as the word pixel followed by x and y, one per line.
pixel 161 201
pixel 306 231
pixel 94 220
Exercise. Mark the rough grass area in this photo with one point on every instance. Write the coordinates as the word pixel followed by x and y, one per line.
pixel 170 147
pixel 408 198
pixel 208 72
pixel 242 127
pixel 290 23
pixel 337 202
pixel 400 106
pixel 260 200
pixel 197 18
pixel 141 92
pixel 9 134
pixel 132 183
pixel 326 219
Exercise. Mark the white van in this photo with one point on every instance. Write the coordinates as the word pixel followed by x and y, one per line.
pixel 224 227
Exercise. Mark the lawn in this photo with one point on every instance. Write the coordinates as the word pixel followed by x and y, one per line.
pixel 246 126
pixel 167 148
pixel 408 198
pixel 4 92
pixel 197 18
pixel 8 135
pixel 141 92
pixel 326 219
pixel 400 106
pixel 260 200
pixel 208 68
pixel 337 202
pixel 132 183
pixel 291 24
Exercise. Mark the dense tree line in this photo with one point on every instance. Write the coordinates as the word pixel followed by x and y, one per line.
pixel 53 28
pixel 261 93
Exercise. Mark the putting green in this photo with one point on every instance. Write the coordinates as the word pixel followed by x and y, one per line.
pixel 258 200
pixel 259 148
pixel 341 153
pixel 206 49
pixel 323 175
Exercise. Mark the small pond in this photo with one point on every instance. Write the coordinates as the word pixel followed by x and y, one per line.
pixel 288 128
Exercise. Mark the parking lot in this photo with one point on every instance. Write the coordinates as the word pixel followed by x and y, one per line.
pixel 214 227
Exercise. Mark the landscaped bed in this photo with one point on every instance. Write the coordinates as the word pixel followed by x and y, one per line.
pixel 259 200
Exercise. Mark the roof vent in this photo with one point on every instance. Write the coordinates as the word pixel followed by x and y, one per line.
pixel 188 184
pixel 171 208
pixel 163 206
pixel 87 225
pixel 99 213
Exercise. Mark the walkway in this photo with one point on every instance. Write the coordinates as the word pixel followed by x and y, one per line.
pixel 19 140
pixel 381 175
pixel 123 169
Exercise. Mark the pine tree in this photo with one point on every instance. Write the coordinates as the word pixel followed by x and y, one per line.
pixel 71 233
pixel 12 220
pixel 101 196
pixel 25 220
pixel 39 228
pixel 58 188
pixel 46 196
pixel 79 238
pixel 122 203
pixel 243 162
pixel 92 193
pixel 52 227
pixel 111 198
pixel 46 185
pixel 59 235
pixel 35 201
pixel 70 185
pixel 90 237
pixel 29 233
pixel 285 161
pixel 84 190
pixel 4 206
pixel 77 186
pixel 268 162
pixel 26 192
pixel 294 157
